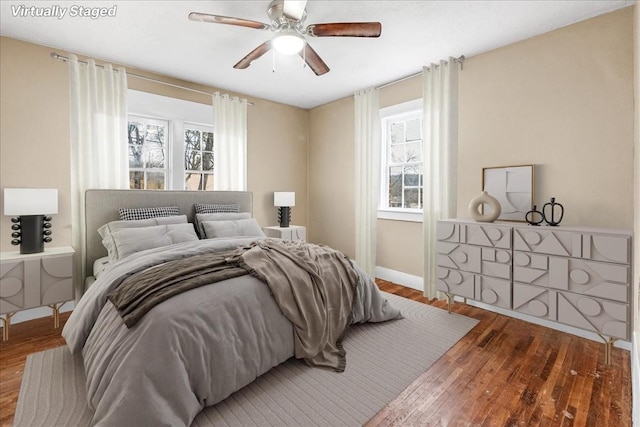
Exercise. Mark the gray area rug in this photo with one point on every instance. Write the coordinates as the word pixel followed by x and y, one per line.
pixel 382 360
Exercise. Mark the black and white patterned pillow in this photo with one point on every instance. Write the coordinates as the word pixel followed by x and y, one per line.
pixel 203 208
pixel 128 214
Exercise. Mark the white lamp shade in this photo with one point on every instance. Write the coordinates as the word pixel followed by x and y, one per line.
pixel 284 198
pixel 288 44
pixel 30 201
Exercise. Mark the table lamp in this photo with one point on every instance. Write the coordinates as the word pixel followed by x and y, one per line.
pixel 284 200
pixel 31 226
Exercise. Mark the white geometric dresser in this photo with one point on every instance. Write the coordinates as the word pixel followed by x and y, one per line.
pixel 576 276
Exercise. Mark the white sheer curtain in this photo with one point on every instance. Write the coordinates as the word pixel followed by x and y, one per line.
pixel 98 125
pixel 440 99
pixel 230 146
pixel 367 176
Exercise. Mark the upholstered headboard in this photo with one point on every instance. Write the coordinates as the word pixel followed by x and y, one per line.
pixel 101 207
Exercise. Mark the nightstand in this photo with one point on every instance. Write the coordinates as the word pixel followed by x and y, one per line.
pixel 293 232
pixel 35 280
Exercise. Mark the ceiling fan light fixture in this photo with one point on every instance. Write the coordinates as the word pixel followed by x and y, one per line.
pixel 288 44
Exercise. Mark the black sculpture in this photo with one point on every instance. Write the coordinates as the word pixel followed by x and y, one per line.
pixel 551 219
pixel 530 216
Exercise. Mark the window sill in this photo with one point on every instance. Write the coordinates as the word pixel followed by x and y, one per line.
pixel 400 215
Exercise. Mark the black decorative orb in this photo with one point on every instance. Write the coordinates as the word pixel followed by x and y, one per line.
pixel 47 239
pixel 15 227
pixel 48 218
pixel 15 242
pixel 16 234
pixel 46 225
pixel 47 232
pixel 15 220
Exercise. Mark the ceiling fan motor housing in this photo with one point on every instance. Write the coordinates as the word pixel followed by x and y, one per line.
pixel 281 21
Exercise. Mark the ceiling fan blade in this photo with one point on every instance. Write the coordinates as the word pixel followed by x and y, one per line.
pixel 218 19
pixel 253 55
pixel 313 60
pixel 294 9
pixel 345 29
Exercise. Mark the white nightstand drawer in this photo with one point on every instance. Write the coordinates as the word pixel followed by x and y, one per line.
pixel 293 232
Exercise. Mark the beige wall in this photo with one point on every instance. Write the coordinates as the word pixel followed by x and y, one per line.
pixel 562 101
pixel 331 176
pixel 34 136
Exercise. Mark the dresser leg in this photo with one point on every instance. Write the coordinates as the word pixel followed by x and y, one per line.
pixel 6 322
pixel 56 314
pixel 449 301
pixel 608 346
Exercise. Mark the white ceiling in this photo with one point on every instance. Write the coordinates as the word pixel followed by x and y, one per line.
pixel 157 36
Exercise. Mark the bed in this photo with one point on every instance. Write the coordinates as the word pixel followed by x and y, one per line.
pixel 251 303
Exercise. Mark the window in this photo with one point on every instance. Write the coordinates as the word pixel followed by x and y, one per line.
pixel 402 168
pixel 147 140
pixel 198 158
pixel 170 143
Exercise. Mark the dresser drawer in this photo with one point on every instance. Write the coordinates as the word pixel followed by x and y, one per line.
pixel 489 235
pixel 593 278
pixel 456 282
pixel 584 312
pixel 597 247
pixel 608 248
pixel 475 259
pixel 551 242
pixel 605 317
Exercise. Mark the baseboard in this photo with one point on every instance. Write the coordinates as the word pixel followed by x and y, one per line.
pixel 635 379
pixel 400 278
pixel 36 313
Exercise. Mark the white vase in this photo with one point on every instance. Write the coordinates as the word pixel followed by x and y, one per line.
pixel 494 207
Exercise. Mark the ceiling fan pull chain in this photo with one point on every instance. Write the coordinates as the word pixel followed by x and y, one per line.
pixel 273 61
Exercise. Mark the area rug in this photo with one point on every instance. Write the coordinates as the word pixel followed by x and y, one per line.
pixel 382 360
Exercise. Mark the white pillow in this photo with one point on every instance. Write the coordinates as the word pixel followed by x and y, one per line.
pixel 131 240
pixel 106 230
pixel 242 227
pixel 218 216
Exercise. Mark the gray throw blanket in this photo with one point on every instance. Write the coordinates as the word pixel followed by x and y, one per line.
pixel 314 287
pixel 142 291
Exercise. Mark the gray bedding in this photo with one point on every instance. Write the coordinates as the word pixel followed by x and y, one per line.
pixel 192 350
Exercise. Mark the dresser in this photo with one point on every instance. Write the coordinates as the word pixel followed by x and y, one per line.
pixel 35 280
pixel 575 276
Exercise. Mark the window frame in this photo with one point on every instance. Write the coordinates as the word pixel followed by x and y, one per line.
pixel 147 120
pixel 179 113
pixel 200 128
pixel 406 110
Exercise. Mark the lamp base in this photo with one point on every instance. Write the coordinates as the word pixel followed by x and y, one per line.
pixel 284 216
pixel 31 228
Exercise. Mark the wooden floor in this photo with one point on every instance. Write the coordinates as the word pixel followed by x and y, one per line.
pixel 505 372
pixel 508 372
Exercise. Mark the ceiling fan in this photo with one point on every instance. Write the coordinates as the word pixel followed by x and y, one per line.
pixel 287 22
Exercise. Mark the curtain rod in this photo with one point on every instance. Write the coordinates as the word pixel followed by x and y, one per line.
pixel 459 60
pixel 54 55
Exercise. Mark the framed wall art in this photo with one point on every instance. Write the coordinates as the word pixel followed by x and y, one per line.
pixel 513 186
